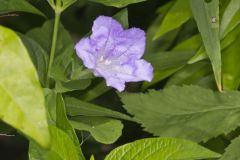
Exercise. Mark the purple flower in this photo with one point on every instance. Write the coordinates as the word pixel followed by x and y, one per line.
pixel 115 54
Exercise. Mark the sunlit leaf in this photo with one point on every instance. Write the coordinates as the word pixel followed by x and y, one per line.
pixel 161 148
pixel 22 100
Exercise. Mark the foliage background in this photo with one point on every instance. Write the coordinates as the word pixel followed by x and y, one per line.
pixel 191 68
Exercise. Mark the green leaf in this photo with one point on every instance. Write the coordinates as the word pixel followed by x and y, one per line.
pixel 95 91
pixel 76 107
pixel 233 24
pixel 22 99
pixel 190 74
pixel 62 65
pixel 230 11
pixel 192 43
pixel 231 66
pixel 225 42
pixel 171 60
pixel 60 5
pixel 232 151
pixel 38 55
pixel 160 75
pixel 8 6
pixel 92 157
pixel 57 116
pixel 164 60
pixel 117 3
pixel 161 148
pixel 188 112
pixel 122 17
pixel 178 14
pixel 62 87
pixel 43 36
pixel 62 148
pixel 206 15
pixel 104 130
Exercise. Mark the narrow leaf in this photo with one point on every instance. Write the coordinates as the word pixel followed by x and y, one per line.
pixel 178 14
pixel 206 15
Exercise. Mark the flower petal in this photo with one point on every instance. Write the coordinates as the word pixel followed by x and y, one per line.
pixel 130 43
pixel 143 72
pixel 103 34
pixel 116 83
pixel 85 52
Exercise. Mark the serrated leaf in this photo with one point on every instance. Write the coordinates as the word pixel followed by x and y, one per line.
pixel 117 3
pixel 104 130
pixel 176 16
pixel 188 112
pixel 206 15
pixel 232 151
pixel 22 99
pixel 161 148
pixel 8 6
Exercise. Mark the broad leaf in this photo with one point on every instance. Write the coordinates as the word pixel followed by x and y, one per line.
pixel 22 99
pixel 178 14
pixel 188 112
pixel 117 3
pixel 43 35
pixel 104 130
pixel 62 148
pixel 161 148
pixel 206 15
pixel 8 6
pixel 38 56
pixel 232 151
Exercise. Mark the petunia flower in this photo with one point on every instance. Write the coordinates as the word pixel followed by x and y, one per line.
pixel 114 53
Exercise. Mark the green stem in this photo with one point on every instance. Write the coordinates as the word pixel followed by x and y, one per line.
pixel 53 47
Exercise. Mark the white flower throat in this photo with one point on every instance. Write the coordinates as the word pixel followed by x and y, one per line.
pixel 102 61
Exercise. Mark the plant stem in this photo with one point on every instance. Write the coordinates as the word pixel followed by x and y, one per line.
pixel 53 46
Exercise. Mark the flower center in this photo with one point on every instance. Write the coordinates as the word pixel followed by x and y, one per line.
pixel 102 61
